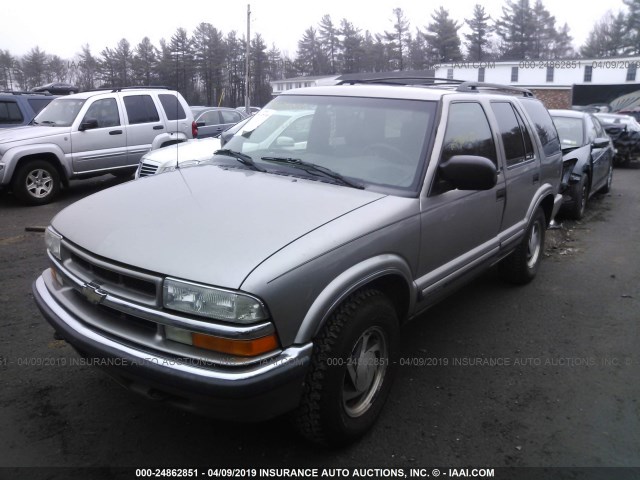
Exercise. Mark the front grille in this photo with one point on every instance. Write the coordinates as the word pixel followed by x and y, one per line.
pixel 147 169
pixel 128 284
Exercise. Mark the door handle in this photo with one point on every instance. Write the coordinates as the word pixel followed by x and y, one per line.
pixel 501 193
pixel 158 127
pixel 536 177
pixel 115 132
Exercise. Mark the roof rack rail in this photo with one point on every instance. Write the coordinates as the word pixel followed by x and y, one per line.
pixel 140 87
pixel 415 80
pixel 478 86
pixel 25 92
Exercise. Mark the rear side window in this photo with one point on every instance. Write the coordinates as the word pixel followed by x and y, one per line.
pixel 468 133
pixel 172 107
pixel 544 127
pixel 38 104
pixel 516 141
pixel 140 109
pixel 10 113
pixel 230 117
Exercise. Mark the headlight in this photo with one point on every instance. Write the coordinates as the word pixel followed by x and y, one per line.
pixel 52 241
pixel 211 302
pixel 166 168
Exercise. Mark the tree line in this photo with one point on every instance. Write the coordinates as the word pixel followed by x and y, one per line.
pixel 207 66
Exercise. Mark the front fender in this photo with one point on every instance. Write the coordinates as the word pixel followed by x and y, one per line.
pixel 348 282
pixel 12 157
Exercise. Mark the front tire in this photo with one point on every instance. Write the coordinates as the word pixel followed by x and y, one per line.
pixel 521 266
pixel 351 370
pixel 580 195
pixel 36 182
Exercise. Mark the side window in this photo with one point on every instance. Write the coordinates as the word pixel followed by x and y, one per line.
pixel 230 117
pixel 140 109
pixel 526 135
pixel 105 111
pixel 591 130
pixel 513 138
pixel 468 133
pixel 172 107
pixel 10 113
pixel 39 103
pixel 545 128
pixel 212 117
pixel 600 133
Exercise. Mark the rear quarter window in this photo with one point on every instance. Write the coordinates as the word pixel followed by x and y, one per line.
pixel 544 126
pixel 172 107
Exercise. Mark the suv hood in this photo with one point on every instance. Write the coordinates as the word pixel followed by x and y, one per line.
pixel 30 132
pixel 206 224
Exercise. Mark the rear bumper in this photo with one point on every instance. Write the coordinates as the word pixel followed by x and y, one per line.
pixel 251 393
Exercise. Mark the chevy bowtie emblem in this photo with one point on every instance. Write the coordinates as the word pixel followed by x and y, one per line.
pixel 93 292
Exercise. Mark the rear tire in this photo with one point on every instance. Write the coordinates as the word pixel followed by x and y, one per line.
pixel 36 182
pixel 351 370
pixel 521 266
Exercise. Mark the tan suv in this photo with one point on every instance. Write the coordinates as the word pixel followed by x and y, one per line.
pixel 90 134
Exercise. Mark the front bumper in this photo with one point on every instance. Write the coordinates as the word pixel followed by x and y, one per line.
pixel 251 393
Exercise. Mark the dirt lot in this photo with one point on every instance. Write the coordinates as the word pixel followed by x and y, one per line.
pixel 540 376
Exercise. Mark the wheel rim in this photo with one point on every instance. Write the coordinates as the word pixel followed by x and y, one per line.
pixel 365 371
pixel 534 245
pixel 39 183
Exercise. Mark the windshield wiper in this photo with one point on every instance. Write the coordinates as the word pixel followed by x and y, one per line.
pixel 241 157
pixel 313 168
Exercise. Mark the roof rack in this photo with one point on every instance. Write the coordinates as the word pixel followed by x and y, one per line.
pixel 24 92
pixel 415 80
pixel 140 87
pixel 481 86
pixel 460 85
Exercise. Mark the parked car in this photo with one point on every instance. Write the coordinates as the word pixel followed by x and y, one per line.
pixel 89 134
pixel 57 88
pixel 212 121
pixel 275 277
pixel 230 132
pixel 19 108
pixel 585 142
pixel 167 159
pixel 624 130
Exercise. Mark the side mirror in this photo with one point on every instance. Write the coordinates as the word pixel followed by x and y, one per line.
pixel 285 142
pixel 88 124
pixel 601 142
pixel 469 172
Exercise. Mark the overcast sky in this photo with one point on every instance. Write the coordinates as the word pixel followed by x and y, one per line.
pixel 62 28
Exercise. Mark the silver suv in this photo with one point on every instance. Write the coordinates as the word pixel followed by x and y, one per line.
pixel 88 134
pixel 275 277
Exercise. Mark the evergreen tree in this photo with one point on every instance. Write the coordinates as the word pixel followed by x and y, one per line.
pixel 544 32
pixel 478 41
pixel 209 54
pixel 418 52
pixel 398 40
pixel 87 69
pixel 631 30
pixel 442 37
pixel 516 28
pixel 145 62
pixel 311 59
pixel 33 68
pixel 7 65
pixel 329 42
pixel 607 38
pixel 351 50
pixel 124 63
pixel 260 89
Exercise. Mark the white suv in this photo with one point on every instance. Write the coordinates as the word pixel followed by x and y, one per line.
pixel 89 134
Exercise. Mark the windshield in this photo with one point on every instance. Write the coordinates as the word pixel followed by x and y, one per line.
pixel 375 141
pixel 59 113
pixel 570 131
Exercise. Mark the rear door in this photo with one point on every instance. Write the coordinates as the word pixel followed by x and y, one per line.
pixel 103 147
pixel 460 228
pixel 143 124
pixel 522 165
pixel 209 124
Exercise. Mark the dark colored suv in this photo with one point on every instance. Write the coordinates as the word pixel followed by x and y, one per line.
pixel 19 108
